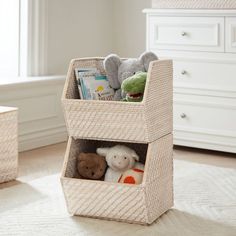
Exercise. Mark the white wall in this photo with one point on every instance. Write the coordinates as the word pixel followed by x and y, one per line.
pixel 80 28
pixel 41 121
pixel 77 28
pixel 129 27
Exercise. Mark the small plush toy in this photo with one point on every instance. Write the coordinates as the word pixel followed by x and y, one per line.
pixel 132 176
pixel 118 70
pixel 119 159
pixel 134 87
pixel 91 166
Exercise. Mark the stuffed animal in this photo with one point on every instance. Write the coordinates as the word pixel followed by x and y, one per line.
pixel 132 176
pixel 119 159
pixel 134 87
pixel 91 166
pixel 118 70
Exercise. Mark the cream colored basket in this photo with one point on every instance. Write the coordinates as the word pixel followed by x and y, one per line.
pixel 194 4
pixel 141 204
pixel 8 144
pixel 146 127
pixel 116 120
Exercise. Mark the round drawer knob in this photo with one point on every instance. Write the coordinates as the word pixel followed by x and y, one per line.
pixel 183 33
pixel 183 116
pixel 183 72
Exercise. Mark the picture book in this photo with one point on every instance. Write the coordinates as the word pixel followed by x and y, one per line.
pixel 92 85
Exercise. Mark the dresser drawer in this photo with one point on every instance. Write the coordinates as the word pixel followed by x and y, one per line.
pixel 186 33
pixel 202 74
pixel 205 118
pixel 230 44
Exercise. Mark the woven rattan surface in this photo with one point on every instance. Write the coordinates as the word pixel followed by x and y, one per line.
pixel 146 127
pixel 116 120
pixel 8 144
pixel 194 4
pixel 132 203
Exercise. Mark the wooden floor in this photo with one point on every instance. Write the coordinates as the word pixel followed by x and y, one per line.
pixel 41 162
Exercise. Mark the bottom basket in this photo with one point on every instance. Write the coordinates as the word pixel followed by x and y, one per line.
pixel 141 204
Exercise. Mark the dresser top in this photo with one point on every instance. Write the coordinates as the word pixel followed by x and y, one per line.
pixel 7 109
pixel 190 12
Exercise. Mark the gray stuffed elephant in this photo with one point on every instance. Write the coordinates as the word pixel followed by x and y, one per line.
pixel 118 70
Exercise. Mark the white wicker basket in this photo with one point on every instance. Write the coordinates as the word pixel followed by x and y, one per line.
pixel 145 127
pixel 8 144
pixel 141 204
pixel 116 120
pixel 194 4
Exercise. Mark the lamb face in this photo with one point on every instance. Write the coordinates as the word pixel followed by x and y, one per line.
pixel 121 158
pixel 119 162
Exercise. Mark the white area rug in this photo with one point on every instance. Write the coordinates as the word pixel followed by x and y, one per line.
pixel 205 204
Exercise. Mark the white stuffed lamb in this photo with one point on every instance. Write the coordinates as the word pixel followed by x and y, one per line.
pixel 119 159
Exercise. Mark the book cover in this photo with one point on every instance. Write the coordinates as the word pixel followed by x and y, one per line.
pixel 92 85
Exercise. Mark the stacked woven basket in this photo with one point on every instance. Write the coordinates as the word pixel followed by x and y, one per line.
pixel 145 126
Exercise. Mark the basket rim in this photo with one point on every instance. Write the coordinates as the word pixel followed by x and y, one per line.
pixel 6 109
pixel 102 101
pixel 138 186
pixel 145 96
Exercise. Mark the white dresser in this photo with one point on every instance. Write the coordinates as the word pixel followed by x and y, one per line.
pixel 202 44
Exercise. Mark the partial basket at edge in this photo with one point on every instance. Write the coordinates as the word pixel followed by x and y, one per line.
pixel 116 120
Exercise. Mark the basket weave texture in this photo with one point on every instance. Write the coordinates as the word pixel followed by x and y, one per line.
pixel 116 120
pixel 146 127
pixel 8 144
pixel 141 204
pixel 194 4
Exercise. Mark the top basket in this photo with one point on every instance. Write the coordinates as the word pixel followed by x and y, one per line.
pixel 140 122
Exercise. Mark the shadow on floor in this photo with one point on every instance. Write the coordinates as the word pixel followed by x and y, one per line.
pixel 205 151
pixel 10 184
pixel 17 194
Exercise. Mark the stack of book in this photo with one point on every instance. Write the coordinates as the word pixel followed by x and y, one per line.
pixel 92 85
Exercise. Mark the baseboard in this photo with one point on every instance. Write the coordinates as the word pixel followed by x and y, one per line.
pixel 41 121
pixel 42 138
pixel 199 139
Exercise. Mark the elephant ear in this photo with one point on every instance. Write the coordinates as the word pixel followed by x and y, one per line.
pixel 146 58
pixel 111 65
